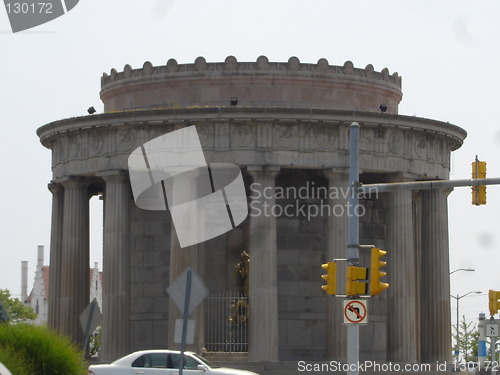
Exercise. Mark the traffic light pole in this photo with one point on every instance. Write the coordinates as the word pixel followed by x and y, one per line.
pixel 425 185
pixel 353 241
pixel 355 188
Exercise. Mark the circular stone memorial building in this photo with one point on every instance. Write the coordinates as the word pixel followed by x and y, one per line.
pixel 286 126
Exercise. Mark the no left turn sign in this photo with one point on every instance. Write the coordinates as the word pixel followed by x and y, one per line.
pixel 355 312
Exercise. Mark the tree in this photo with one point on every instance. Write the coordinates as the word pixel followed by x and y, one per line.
pixel 4 315
pixel 95 341
pixel 15 309
pixel 36 350
pixel 467 339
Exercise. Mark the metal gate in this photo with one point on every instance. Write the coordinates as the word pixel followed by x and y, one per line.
pixel 226 322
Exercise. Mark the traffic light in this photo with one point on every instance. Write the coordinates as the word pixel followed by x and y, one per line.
pixel 494 301
pixel 478 192
pixel 376 286
pixel 330 278
pixel 355 287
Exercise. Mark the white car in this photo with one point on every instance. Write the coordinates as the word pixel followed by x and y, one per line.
pixel 160 362
pixel 3 370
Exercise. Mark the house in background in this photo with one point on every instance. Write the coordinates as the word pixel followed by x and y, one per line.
pixel 39 297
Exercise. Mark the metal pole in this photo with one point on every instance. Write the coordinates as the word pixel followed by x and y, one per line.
pixel 87 328
pixel 353 240
pixel 458 297
pixel 185 318
pixel 492 348
pixel 493 341
pixel 477 174
pixel 458 333
pixel 425 185
pixel 481 347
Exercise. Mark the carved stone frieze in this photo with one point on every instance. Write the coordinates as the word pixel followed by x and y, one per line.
pixel 125 140
pixel 439 150
pixel 206 134
pixel 58 151
pixel 367 140
pixel 327 136
pixel 285 135
pixel 395 142
pixel 293 141
pixel 242 135
pixel 96 143
pixel 73 146
pixel 421 147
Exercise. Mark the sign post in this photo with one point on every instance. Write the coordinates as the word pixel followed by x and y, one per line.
pixel 492 332
pixel 187 291
pixel 185 316
pixel 90 319
pixel 353 241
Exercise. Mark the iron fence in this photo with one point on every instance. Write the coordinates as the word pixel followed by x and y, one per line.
pixel 226 322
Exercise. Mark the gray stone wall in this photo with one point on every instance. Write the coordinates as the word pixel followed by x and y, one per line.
pixel 221 255
pixel 302 303
pixel 301 251
pixel 289 84
pixel 373 337
pixel 150 258
pixel 302 248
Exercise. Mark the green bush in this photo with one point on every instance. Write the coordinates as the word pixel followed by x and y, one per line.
pixel 15 361
pixel 46 352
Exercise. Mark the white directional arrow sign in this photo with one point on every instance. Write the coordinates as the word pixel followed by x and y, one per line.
pixel 91 321
pixel 177 291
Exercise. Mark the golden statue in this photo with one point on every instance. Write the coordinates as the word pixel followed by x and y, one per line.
pixel 242 273
pixel 239 306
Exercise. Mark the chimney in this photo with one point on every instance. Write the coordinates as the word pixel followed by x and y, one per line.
pixel 24 280
pixel 40 258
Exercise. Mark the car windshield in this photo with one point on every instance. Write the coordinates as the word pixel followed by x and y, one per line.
pixel 204 361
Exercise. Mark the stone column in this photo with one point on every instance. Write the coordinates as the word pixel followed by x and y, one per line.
pixel 116 268
pixel 56 231
pixel 435 278
pixel 263 283
pixel 184 189
pixel 336 334
pixel 417 238
pixel 75 287
pixel 402 326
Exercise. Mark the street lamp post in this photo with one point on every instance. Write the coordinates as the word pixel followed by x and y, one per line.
pixel 463 269
pixel 457 298
pixel 468 269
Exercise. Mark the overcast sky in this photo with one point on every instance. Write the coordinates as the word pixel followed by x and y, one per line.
pixel 446 51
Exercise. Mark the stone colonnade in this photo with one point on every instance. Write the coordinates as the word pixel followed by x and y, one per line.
pixel 69 254
pixel 69 284
pixel 412 335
